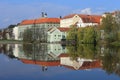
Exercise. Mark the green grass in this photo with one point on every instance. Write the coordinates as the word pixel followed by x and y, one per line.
pixel 9 41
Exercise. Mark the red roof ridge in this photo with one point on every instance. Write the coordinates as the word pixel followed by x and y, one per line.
pixel 42 63
pixel 63 29
pixel 40 20
pixel 63 55
pixel 69 16
pixel 72 15
pixel 86 18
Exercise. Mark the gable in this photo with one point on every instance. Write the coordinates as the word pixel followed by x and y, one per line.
pixel 69 16
pixel 53 30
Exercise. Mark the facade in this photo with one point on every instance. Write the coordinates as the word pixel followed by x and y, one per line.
pixel 56 49
pixel 56 34
pixel 40 25
pixel 15 33
pixel 81 20
pixel 69 20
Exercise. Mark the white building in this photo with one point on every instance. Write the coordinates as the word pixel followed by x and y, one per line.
pixel 15 33
pixel 56 34
pixel 39 25
pixel 81 20
pixel 56 49
pixel 80 63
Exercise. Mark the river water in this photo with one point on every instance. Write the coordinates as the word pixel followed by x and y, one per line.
pixel 57 62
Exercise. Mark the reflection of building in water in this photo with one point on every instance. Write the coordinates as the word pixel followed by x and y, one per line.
pixel 17 50
pixel 102 49
pixel 7 49
pixel 80 63
pixel 51 55
pixel 36 54
pixel 39 51
pixel 56 49
pixel 44 64
pixel 33 52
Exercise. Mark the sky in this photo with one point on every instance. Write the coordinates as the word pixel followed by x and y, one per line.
pixel 14 11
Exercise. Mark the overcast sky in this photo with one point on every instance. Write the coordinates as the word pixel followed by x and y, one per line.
pixel 14 11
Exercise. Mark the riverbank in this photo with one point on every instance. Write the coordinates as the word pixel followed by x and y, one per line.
pixel 10 42
pixel 117 43
pixel 19 42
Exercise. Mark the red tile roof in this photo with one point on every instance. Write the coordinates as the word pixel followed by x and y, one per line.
pixel 63 55
pixel 90 18
pixel 41 20
pixel 26 22
pixel 69 16
pixel 86 18
pixel 42 63
pixel 63 29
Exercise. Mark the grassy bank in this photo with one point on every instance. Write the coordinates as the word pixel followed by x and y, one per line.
pixel 10 42
pixel 117 43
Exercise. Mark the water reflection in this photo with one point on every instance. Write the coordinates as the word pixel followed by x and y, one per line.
pixel 80 57
pixel 107 57
pixel 111 60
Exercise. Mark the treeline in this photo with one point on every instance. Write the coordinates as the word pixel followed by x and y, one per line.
pixel 111 26
pixel 88 34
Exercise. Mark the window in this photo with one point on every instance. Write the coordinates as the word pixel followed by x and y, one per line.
pixel 63 36
pixel 21 35
pixel 59 35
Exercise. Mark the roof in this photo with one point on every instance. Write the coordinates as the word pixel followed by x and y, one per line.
pixel 26 22
pixel 40 20
pixel 63 55
pixel 86 18
pixel 42 63
pixel 63 29
pixel 90 18
pixel 87 65
pixel 69 16
pixel 50 28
